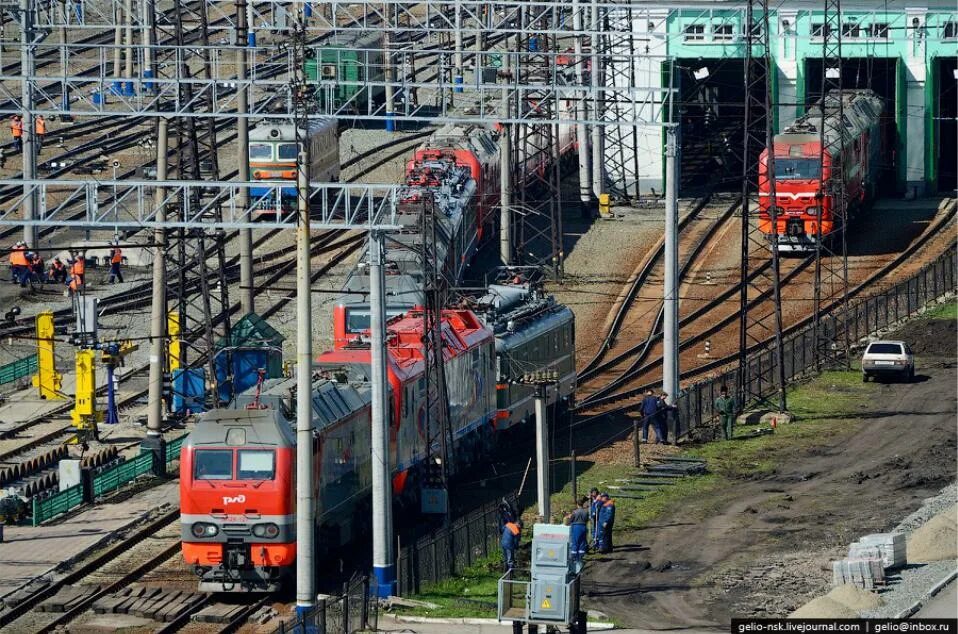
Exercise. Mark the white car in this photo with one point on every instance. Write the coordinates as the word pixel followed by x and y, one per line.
pixel 888 358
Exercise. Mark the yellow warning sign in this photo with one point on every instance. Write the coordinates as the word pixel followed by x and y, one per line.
pixel 546 605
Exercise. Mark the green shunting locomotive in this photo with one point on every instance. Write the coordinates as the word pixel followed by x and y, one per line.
pixel 342 69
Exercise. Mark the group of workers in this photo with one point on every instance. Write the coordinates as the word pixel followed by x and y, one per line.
pixel 597 509
pixel 27 267
pixel 39 129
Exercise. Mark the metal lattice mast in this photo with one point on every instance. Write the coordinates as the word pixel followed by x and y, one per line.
pixel 831 257
pixel 203 314
pixel 539 241
pixel 759 323
pixel 621 142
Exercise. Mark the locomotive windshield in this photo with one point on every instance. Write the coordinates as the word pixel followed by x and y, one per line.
pixel 287 151
pixel 213 464
pixel 256 464
pixel 261 151
pixel 357 319
pixel 802 169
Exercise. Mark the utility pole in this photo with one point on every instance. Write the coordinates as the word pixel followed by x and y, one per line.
pixel 128 86
pixel 388 72
pixel 384 566
pixel 505 174
pixel 305 509
pixel 242 142
pixel 542 381
pixel 118 51
pixel 670 338
pixel 581 110
pixel 597 79
pixel 29 138
pixel 154 413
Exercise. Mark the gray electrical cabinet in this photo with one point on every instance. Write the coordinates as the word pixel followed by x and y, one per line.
pixel 551 595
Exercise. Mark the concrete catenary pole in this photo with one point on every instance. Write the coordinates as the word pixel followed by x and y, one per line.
pixel 154 412
pixel 305 508
pixel 128 86
pixel 149 18
pixel 670 338
pixel 505 175
pixel 598 105
pixel 118 51
pixel 384 566
pixel 543 486
pixel 29 147
pixel 388 72
pixel 581 110
pixel 247 301
pixel 457 44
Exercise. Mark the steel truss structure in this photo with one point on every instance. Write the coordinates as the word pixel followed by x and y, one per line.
pixel 759 263
pixel 831 254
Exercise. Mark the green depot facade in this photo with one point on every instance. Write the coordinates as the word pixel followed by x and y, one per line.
pixel 908 55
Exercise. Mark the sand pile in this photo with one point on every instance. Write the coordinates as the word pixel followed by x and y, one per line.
pixel 936 540
pixel 855 598
pixel 824 608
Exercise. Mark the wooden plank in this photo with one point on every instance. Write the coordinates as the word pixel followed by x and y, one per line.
pixel 58 602
pixel 173 606
pixel 107 604
pixel 189 602
pixel 149 606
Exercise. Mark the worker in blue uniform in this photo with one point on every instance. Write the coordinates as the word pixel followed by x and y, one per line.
pixel 606 521
pixel 578 520
pixel 650 410
pixel 594 504
pixel 511 532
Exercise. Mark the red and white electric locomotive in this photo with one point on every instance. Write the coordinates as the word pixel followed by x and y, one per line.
pixel 801 168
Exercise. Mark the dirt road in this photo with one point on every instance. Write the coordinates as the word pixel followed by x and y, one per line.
pixel 761 547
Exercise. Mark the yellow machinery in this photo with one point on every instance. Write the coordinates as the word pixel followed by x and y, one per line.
pixel 605 206
pixel 173 331
pixel 84 413
pixel 47 380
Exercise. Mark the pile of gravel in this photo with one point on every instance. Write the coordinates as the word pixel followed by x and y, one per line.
pixel 855 598
pixel 946 499
pixel 824 608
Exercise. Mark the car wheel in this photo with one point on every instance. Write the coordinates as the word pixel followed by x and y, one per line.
pixel 911 375
pixel 864 378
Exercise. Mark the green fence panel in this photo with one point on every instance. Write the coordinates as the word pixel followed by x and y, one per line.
pixel 57 504
pixel 113 478
pixel 18 369
pixel 173 449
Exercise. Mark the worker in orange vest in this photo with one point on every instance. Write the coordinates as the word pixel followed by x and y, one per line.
pixel 116 258
pixel 40 127
pixel 36 268
pixel 74 286
pixel 78 269
pixel 18 263
pixel 16 129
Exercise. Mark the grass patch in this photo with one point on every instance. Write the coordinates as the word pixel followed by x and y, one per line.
pixel 471 595
pixel 948 310
pixel 826 410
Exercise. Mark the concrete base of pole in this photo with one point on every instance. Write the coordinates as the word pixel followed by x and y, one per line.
pixel 305 615
pixel 390 122
pixel 251 39
pixel 148 86
pixel 157 446
pixel 458 81
pixel 117 88
pixel 128 89
pixel 384 581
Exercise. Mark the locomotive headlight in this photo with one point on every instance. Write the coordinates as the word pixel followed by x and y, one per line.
pixel 811 211
pixel 201 529
pixel 269 531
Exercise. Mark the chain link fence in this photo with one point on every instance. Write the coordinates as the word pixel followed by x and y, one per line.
pixel 863 316
pixel 355 610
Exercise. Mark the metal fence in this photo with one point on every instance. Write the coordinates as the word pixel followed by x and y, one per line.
pixel 863 316
pixel 57 504
pixel 112 478
pixel 18 369
pixel 448 551
pixel 355 610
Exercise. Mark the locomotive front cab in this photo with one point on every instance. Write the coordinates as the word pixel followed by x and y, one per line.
pixel 237 520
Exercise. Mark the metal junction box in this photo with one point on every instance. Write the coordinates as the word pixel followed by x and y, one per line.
pixel 551 596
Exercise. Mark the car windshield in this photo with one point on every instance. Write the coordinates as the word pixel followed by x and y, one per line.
pixel 213 464
pixel 261 151
pixel 256 464
pixel 884 348
pixel 788 169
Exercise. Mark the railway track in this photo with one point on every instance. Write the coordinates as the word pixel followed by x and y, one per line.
pixel 695 238
pixel 793 286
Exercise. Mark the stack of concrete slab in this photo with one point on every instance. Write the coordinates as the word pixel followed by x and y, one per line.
pixel 863 573
pixel 889 547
